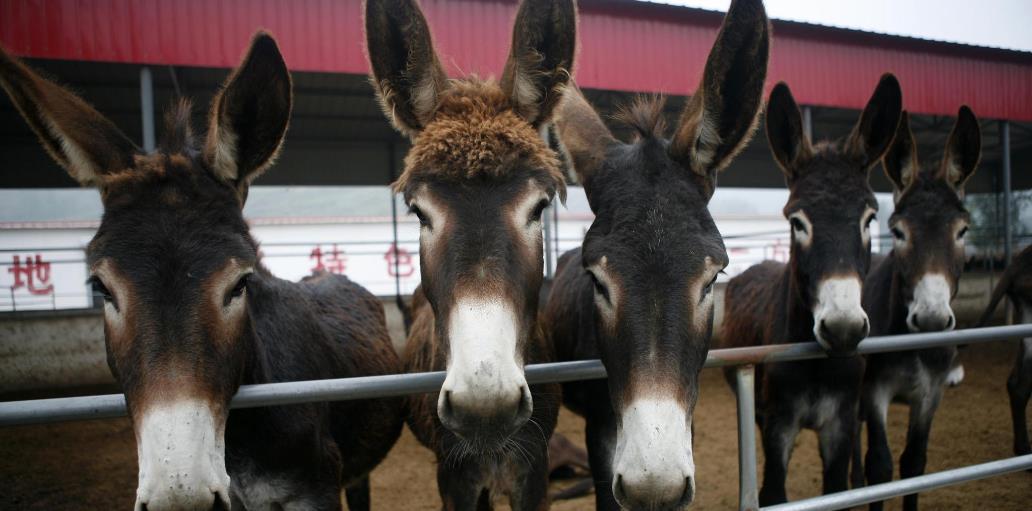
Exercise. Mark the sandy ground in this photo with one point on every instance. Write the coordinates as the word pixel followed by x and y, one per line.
pixel 92 465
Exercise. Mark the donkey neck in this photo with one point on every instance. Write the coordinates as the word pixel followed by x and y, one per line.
pixel 798 316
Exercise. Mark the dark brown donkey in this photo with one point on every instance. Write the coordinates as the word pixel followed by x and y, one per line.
pixel 478 176
pixel 910 291
pixel 816 296
pixel 1016 284
pixel 190 313
pixel 638 293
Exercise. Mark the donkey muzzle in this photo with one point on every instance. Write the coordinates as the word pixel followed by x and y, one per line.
pixel 181 454
pixel 839 320
pixel 653 467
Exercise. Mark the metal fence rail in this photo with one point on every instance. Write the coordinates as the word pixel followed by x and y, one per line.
pixel 113 405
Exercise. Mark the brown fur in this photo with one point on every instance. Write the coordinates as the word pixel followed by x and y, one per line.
pixel 477 134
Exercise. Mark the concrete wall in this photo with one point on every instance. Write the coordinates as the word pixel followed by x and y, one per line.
pixel 54 351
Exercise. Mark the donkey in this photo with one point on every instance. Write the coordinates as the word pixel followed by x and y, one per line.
pixel 190 313
pixel 816 296
pixel 1016 284
pixel 479 176
pixel 910 291
pixel 638 293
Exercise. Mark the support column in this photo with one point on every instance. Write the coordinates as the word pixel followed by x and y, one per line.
pixel 392 159
pixel 808 122
pixel 1008 241
pixel 547 217
pixel 147 108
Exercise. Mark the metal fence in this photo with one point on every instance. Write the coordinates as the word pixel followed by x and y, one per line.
pixel 113 405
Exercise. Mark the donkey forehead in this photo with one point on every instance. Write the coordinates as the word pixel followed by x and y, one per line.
pixel 475 133
pixel 929 200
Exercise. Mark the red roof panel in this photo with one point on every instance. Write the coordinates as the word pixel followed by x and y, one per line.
pixel 628 46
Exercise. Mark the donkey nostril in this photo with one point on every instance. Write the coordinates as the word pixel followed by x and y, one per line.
pixel 689 492
pixel 618 490
pixel 446 407
pixel 950 321
pixel 867 328
pixel 825 332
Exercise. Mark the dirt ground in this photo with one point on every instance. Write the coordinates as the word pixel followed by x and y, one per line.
pixel 92 465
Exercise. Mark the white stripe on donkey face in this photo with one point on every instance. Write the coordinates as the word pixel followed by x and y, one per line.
pixel 182 466
pixel 653 462
pixel 930 311
pixel 484 376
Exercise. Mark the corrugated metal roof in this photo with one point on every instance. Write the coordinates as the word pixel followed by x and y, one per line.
pixel 625 45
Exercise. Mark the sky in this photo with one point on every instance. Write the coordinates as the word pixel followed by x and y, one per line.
pixel 995 23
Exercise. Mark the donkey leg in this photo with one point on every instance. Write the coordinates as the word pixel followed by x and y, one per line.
pixel 915 455
pixel 879 456
pixel 357 495
pixel 836 445
pixel 600 437
pixel 779 433
pixel 1019 388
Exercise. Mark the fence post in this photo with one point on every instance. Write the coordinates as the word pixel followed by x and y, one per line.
pixel 748 497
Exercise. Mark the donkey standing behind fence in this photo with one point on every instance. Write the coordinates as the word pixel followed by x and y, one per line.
pixel 190 313
pixel 1016 284
pixel 816 296
pixel 478 176
pixel 638 293
pixel 910 291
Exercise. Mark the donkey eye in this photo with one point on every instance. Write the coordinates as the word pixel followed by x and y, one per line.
pixel 100 289
pixel 709 287
pixel 898 234
pixel 797 225
pixel 600 288
pixel 423 220
pixel 535 215
pixel 238 288
pixel 962 232
pixel 870 219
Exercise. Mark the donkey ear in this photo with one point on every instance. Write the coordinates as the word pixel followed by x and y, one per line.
pixel 78 137
pixel 900 161
pixel 720 118
pixel 407 75
pixel 249 116
pixel 877 125
pixel 785 134
pixel 963 149
pixel 544 38
pixel 583 137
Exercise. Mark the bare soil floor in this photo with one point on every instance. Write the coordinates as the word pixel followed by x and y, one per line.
pixel 92 465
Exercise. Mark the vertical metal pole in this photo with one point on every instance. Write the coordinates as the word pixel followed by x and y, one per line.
pixel 748 495
pixel 147 108
pixel 548 241
pixel 1008 240
pixel 394 219
pixel 808 122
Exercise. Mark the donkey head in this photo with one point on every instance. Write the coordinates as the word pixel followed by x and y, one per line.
pixel 930 220
pixel 172 259
pixel 478 177
pixel 831 207
pixel 653 253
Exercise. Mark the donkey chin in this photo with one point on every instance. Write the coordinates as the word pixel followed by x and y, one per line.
pixel 839 320
pixel 653 467
pixel 181 448
pixel 485 398
pixel 930 310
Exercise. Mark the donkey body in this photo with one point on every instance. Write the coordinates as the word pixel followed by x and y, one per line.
pixel 479 176
pixel 638 294
pixel 910 291
pixel 1016 284
pixel 190 313
pixel 816 296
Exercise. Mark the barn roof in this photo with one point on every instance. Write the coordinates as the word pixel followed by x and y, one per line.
pixel 625 46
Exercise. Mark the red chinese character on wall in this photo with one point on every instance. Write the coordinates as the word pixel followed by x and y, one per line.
pixel 34 275
pixel 333 261
pixel 399 262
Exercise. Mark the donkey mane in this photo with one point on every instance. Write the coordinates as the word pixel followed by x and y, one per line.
pixel 476 133
pixel 644 115
pixel 178 137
